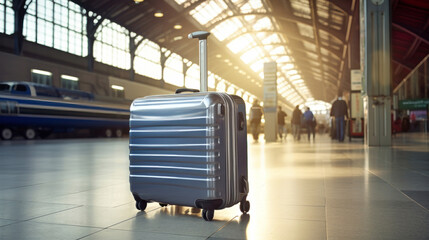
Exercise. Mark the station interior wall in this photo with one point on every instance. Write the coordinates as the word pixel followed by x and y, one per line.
pixel 34 56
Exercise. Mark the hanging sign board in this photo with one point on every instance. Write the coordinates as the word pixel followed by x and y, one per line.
pixel 356 80
pixel 413 104
pixel 270 86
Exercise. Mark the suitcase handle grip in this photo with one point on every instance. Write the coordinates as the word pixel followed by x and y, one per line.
pixel 180 90
pixel 199 34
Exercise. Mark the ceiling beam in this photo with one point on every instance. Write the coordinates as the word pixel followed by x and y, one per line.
pixel 342 5
pixel 413 48
pixel 403 65
pixel 407 30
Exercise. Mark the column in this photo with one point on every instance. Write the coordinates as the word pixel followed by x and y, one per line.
pixel 270 101
pixel 375 28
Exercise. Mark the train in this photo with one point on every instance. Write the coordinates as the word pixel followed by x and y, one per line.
pixel 35 110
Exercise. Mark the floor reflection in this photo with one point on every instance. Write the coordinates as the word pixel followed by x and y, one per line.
pixel 298 190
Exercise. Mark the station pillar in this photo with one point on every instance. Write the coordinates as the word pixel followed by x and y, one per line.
pixel 270 101
pixel 375 27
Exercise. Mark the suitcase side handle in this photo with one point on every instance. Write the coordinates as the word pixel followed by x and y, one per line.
pixel 180 90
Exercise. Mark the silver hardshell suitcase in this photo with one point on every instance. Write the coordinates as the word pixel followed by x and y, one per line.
pixel 189 149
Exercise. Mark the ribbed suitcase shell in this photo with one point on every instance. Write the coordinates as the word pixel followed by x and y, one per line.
pixel 187 149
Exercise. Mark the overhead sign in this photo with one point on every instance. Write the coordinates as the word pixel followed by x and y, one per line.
pixel 413 104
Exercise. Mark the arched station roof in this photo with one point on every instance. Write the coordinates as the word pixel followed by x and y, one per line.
pixel 314 42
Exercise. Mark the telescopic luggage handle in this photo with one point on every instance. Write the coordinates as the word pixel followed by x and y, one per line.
pixel 202 37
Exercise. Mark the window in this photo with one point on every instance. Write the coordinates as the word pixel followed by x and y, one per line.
pixel 192 79
pixel 4 87
pixel 221 86
pixel 69 82
pixel 148 60
pixel 117 91
pixel 40 76
pixel 58 24
pixel 45 91
pixel 173 71
pixel 111 45
pixel 211 80
pixel 20 88
pixel 6 17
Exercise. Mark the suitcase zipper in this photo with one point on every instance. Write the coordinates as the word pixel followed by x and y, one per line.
pixel 231 167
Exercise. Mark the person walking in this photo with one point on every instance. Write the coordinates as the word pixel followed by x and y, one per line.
pixel 255 119
pixel 281 122
pixel 339 111
pixel 309 121
pixel 296 123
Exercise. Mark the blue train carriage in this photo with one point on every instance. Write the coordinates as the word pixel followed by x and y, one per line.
pixel 33 110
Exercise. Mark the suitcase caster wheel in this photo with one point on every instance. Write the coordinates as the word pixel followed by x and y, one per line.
pixel 245 206
pixel 141 205
pixel 208 214
pixel 163 204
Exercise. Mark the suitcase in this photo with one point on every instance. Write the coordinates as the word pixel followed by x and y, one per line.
pixel 190 149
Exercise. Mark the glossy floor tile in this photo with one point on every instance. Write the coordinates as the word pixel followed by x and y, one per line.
pixel 78 189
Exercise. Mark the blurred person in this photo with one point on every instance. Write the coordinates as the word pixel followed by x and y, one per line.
pixel 339 111
pixel 309 122
pixel 296 123
pixel 255 119
pixel 281 122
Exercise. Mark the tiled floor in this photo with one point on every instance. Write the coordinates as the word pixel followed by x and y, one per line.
pixel 78 189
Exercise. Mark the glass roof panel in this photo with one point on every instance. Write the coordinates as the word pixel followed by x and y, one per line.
pixel 208 10
pixel 259 65
pixel 331 40
pixel 322 8
pixel 263 24
pixel 323 22
pixel 301 8
pixel 283 59
pixel 310 46
pixel 240 43
pixel 323 35
pixel 268 47
pixel 336 27
pixel 312 55
pixel 251 6
pixel 180 2
pixel 315 63
pixel 292 72
pixel 271 39
pixel 227 28
pixel 288 66
pixel 249 18
pixel 337 18
pixel 299 82
pixel 322 13
pixel 324 51
pixel 252 55
pixel 316 70
pixel 295 77
pixel 305 30
pixel 278 51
